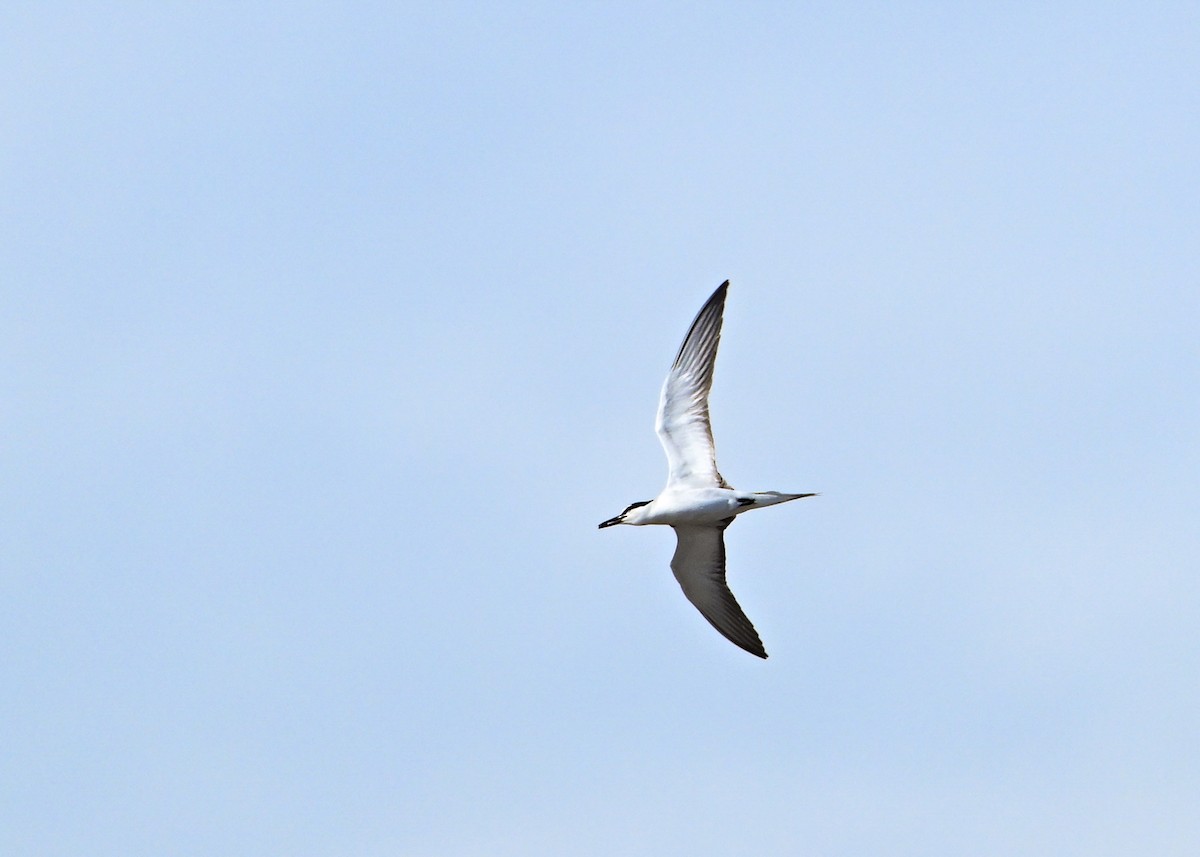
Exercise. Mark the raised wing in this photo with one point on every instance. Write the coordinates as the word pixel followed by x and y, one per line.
pixel 699 566
pixel 682 423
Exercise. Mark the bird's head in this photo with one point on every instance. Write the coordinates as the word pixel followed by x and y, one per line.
pixel 633 514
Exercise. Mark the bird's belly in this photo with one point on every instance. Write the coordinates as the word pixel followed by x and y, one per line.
pixel 703 506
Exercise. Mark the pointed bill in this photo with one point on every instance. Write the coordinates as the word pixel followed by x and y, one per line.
pixel 682 423
pixel 699 566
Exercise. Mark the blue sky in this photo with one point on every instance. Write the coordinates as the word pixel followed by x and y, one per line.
pixel 331 332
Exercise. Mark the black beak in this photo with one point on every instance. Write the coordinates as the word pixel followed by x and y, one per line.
pixel 610 522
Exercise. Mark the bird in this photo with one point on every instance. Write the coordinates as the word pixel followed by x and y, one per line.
pixel 697 502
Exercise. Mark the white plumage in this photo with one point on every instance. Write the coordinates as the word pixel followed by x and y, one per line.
pixel 697 501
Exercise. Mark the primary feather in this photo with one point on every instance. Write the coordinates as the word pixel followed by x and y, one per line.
pixel 682 423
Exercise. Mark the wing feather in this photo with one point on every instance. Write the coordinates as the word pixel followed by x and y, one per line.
pixel 682 423
pixel 699 566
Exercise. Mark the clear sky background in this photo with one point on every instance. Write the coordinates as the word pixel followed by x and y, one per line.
pixel 330 332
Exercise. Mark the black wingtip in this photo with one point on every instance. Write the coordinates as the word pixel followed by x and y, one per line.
pixel 718 293
pixel 711 312
pixel 717 297
pixel 760 652
pixel 751 644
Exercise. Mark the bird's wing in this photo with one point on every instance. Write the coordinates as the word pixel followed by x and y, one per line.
pixel 699 566
pixel 682 423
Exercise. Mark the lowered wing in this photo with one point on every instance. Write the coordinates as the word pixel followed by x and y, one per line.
pixel 699 566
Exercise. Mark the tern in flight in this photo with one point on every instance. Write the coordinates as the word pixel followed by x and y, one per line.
pixel 697 502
